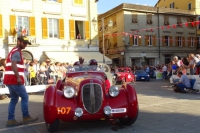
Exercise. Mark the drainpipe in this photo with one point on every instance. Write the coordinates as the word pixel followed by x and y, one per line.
pixel 158 34
pixel 89 17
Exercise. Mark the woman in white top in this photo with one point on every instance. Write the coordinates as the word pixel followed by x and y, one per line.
pixel 42 71
pixel 191 64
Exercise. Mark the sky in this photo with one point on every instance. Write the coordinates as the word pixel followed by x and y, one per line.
pixel 106 5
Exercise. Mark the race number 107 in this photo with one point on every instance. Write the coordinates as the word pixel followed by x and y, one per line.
pixel 63 110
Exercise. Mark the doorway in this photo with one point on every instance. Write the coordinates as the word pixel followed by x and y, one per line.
pixel 115 61
pixel 167 59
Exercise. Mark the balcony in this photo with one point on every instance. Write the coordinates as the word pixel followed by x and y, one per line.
pixel 12 41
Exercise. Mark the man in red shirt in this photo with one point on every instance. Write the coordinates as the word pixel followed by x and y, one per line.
pixel 14 80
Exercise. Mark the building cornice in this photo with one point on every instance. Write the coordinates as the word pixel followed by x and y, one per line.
pixel 146 9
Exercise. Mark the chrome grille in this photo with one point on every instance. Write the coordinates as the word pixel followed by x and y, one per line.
pixel 92 97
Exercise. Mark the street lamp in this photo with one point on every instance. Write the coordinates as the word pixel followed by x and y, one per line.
pixel 110 24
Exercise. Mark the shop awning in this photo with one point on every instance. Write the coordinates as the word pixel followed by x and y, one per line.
pixel 71 57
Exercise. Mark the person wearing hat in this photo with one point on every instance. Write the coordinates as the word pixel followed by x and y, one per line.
pixel 14 80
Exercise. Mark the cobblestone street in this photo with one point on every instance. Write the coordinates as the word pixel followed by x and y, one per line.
pixel 161 111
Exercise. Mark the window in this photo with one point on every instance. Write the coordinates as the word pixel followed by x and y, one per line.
pixel 179 23
pixel 114 20
pixel 78 2
pixel 171 5
pixel 22 26
pixel 149 40
pixel 192 41
pixel 135 40
pixel 166 20
pixel 166 40
pixel 191 22
pixel 79 29
pixel 189 6
pixel 134 17
pixel 180 41
pixel 53 28
pixel 149 19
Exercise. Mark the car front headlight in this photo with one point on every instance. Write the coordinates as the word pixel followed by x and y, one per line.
pixel 114 91
pixel 148 75
pixel 69 92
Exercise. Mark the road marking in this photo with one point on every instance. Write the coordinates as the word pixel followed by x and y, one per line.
pixel 25 125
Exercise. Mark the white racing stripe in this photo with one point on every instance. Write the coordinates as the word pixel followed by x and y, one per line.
pixel 12 73
pixel 18 65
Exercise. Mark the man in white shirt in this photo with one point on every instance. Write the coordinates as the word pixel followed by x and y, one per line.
pixel 164 71
pixel 147 69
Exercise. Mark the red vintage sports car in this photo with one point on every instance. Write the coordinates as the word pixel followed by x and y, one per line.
pixel 82 96
pixel 124 73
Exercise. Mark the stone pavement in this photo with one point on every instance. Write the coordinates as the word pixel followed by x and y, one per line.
pixel 161 111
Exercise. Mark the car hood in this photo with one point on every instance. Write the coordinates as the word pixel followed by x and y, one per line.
pixel 141 74
pixel 80 79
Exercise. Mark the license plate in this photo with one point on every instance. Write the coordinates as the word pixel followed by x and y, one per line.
pixel 142 78
pixel 119 110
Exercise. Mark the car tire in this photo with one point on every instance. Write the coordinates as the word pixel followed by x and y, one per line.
pixel 53 127
pixel 128 121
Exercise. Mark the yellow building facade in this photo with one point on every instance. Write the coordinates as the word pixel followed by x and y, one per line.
pixel 145 35
pixel 193 5
pixel 58 29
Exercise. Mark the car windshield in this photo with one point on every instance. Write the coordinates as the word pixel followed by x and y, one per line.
pixel 84 68
pixel 121 70
pixel 140 72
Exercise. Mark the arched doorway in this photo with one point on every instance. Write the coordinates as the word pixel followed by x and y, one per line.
pixel 27 55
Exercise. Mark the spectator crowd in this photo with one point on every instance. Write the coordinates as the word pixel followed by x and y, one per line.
pixel 49 71
pixel 40 73
pixel 189 65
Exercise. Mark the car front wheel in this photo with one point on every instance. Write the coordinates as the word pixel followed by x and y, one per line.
pixel 53 127
pixel 127 120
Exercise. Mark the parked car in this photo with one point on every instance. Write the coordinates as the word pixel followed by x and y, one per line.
pixel 83 96
pixel 124 73
pixel 142 75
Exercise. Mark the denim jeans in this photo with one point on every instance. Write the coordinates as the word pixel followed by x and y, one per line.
pixel 164 74
pixel 17 91
pixel 176 80
pixel 181 86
